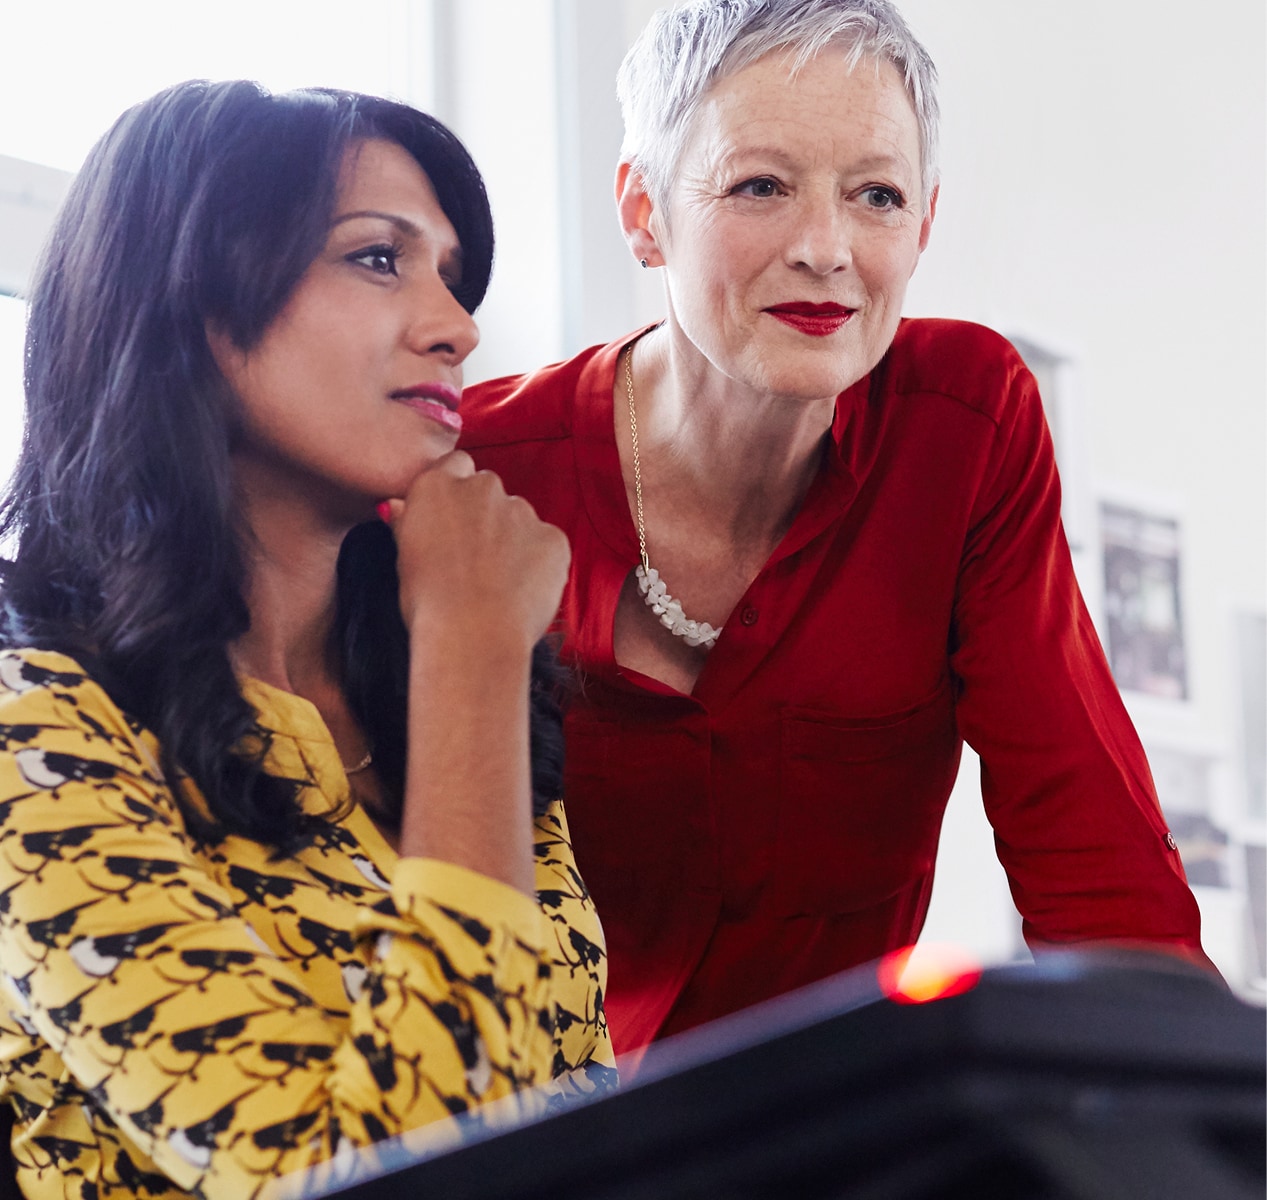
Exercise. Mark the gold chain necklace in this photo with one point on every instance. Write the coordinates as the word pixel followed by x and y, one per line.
pixel 654 593
pixel 365 762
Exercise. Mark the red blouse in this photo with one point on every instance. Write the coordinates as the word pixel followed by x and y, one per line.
pixel 781 823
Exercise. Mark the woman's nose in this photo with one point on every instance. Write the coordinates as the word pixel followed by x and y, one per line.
pixel 822 236
pixel 441 326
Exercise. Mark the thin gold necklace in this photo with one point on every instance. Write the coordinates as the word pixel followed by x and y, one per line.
pixel 654 593
pixel 361 766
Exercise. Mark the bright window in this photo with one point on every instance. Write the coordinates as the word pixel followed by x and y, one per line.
pixel 12 322
pixel 81 62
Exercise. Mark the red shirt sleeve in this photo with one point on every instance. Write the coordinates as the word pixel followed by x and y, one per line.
pixel 1063 775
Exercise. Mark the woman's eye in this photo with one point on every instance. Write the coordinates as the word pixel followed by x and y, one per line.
pixel 883 197
pixel 763 188
pixel 379 259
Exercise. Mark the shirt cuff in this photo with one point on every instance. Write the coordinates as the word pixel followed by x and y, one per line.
pixel 420 884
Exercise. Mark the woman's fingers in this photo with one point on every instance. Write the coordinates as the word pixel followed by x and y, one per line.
pixel 457 463
pixel 472 558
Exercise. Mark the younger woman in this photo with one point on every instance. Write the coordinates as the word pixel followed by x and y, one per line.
pixel 273 768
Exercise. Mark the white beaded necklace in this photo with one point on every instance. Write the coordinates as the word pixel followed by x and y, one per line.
pixel 654 593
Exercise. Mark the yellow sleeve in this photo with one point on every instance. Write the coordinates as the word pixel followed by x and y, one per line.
pixel 125 956
pixel 583 1061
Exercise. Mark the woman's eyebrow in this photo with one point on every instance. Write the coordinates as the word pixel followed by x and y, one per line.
pixel 765 153
pixel 405 225
pixel 780 156
pixel 884 162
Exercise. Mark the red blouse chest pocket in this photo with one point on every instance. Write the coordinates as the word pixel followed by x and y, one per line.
pixel 860 804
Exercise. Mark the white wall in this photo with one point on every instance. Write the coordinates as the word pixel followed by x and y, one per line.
pixel 1103 189
pixel 503 105
pixel 534 99
pixel 29 196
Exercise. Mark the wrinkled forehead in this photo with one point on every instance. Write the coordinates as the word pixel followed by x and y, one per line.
pixel 792 95
pixel 784 72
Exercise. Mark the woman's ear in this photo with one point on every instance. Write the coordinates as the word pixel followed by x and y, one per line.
pixel 635 208
pixel 225 352
pixel 926 225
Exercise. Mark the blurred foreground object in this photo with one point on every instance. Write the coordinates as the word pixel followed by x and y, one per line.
pixel 1092 1074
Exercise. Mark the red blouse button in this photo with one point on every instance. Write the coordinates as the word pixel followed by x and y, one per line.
pixel 1171 844
pixel 749 615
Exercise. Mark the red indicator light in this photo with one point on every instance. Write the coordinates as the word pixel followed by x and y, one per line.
pixel 918 974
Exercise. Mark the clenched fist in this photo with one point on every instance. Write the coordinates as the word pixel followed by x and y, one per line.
pixel 474 562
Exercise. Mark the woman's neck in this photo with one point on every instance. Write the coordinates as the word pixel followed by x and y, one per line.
pixel 291 596
pixel 737 460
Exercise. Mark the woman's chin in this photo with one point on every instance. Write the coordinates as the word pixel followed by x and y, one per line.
pixel 808 383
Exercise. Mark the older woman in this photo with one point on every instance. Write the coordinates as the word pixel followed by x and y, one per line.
pixel 814 547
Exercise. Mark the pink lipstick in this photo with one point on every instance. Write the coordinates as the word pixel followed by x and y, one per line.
pixel 818 320
pixel 437 401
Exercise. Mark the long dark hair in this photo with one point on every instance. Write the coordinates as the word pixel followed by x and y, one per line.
pixel 204 204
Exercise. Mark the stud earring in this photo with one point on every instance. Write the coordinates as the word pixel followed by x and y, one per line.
pixel 643 263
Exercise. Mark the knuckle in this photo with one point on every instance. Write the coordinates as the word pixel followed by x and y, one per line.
pixel 458 464
pixel 522 509
pixel 492 482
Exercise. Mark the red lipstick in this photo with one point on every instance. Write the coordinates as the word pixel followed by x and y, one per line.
pixel 437 401
pixel 817 320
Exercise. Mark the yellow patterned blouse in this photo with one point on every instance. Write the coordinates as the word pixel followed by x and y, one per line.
pixel 180 1017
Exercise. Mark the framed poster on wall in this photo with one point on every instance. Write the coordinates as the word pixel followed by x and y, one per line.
pixel 1143 609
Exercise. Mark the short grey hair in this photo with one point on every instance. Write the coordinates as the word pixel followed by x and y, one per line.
pixel 685 50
